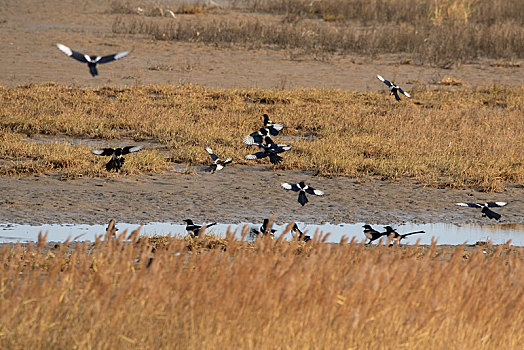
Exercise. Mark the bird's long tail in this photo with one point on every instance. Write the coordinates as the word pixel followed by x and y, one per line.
pixel 490 213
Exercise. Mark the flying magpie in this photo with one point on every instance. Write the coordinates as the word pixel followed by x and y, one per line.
pixel 393 88
pixel 390 232
pixel 301 237
pixel 193 229
pixel 91 61
pixel 485 208
pixel 302 188
pixel 271 150
pixel 117 160
pixel 372 234
pixel 218 164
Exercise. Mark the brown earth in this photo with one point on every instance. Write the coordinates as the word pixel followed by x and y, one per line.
pixel 29 31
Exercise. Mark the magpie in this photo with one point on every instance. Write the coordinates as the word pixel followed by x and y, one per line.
pixel 390 232
pixel 91 61
pixel 271 150
pixel 265 229
pixel 302 188
pixel 301 237
pixel 193 229
pixel 117 160
pixel 485 208
pixel 218 164
pixel 273 128
pixel 372 234
pixel 393 88
pixel 257 137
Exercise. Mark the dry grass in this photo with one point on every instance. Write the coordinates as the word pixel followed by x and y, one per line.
pixel 447 138
pixel 270 295
pixel 441 33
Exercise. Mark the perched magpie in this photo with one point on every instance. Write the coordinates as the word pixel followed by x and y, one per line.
pixel 302 188
pixel 301 237
pixel 271 150
pixel 273 128
pixel 91 61
pixel 393 88
pixel 117 160
pixel 390 232
pixel 270 128
pixel 218 164
pixel 193 229
pixel 372 234
pixel 485 208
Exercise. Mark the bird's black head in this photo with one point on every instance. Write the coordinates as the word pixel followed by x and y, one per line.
pixel 302 184
pixel 188 221
pixel 389 229
pixel 295 227
pixel 266 118
pixel 266 222
pixel 367 227
pixel 264 131
pixel 118 152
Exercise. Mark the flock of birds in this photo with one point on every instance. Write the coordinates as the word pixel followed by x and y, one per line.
pixel 262 139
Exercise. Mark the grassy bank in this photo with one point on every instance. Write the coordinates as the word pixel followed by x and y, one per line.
pixel 268 295
pixel 442 138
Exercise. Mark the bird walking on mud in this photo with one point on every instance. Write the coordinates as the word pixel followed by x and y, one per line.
pixel 302 189
pixel 393 88
pixel 218 164
pixel 92 61
pixel 117 160
pixel 194 230
pixel 486 212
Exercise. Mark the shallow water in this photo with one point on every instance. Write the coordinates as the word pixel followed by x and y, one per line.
pixel 443 233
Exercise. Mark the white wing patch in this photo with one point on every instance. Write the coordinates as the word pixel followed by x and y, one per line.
pixel 121 54
pixel 251 157
pixel 97 151
pixel 380 78
pixel 286 186
pixel 501 204
pixel 209 150
pixel 135 149
pixel 64 49
pixel 318 192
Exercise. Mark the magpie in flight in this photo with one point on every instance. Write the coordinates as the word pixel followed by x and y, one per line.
pixel 218 164
pixel 193 229
pixel 271 150
pixel 485 208
pixel 390 232
pixel 302 188
pixel 270 128
pixel 393 88
pixel 117 160
pixel 273 128
pixel 91 61
pixel 372 234
pixel 301 237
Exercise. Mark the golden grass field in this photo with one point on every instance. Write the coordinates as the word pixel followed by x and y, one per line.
pixel 213 293
pixel 448 138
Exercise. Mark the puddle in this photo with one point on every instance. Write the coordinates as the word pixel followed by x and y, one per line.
pixel 445 233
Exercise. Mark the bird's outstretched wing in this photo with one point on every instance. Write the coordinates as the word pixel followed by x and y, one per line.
pixel 257 155
pixel 211 153
pixel 112 57
pixel 288 186
pixel 131 149
pixel 387 82
pixel 253 138
pixel 404 93
pixel 311 190
pixel 496 204
pixel 471 205
pixel 74 54
pixel 103 151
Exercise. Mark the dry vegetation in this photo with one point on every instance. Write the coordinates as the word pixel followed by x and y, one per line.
pixel 440 33
pixel 442 138
pixel 270 294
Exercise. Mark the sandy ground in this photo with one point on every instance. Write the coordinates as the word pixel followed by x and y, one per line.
pixel 29 31
pixel 240 194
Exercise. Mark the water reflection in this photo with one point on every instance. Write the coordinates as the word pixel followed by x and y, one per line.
pixel 444 233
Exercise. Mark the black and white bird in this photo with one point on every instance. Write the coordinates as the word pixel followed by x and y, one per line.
pixel 117 160
pixel 295 231
pixel 372 234
pixel 273 128
pixel 395 236
pixel 302 188
pixel 217 163
pixel 486 212
pixel 270 128
pixel 264 230
pixel 393 88
pixel 91 61
pixel 193 229
pixel 271 150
